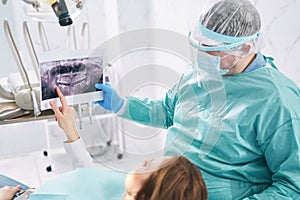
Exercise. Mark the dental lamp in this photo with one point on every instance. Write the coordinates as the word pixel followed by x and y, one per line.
pixel 59 7
pixel 61 11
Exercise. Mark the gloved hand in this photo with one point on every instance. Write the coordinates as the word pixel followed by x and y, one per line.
pixel 111 100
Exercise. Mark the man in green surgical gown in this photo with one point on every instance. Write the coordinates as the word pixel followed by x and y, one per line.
pixel 232 113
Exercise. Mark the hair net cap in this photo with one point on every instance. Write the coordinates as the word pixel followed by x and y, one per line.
pixel 227 25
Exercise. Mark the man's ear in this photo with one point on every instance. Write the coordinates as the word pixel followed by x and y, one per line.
pixel 246 48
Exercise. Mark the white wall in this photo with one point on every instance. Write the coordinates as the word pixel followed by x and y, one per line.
pixel 108 18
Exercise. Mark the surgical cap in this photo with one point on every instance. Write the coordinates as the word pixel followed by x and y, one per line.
pixel 232 18
pixel 226 25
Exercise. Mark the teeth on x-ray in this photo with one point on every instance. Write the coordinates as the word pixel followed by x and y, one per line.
pixel 72 76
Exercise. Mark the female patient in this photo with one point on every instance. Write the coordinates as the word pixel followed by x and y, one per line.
pixel 173 178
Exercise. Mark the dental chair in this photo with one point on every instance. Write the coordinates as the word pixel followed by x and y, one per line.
pixel 83 183
pixel 79 184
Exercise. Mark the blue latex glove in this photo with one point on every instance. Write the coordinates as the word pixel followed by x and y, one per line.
pixel 111 100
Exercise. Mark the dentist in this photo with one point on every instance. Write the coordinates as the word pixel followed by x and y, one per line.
pixel 233 113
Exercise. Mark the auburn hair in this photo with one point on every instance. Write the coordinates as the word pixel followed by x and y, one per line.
pixel 177 180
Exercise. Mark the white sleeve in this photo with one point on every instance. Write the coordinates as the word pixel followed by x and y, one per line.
pixel 78 154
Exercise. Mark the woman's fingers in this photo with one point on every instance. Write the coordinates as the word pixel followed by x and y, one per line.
pixel 17 188
pixel 59 110
pixel 54 107
pixel 61 97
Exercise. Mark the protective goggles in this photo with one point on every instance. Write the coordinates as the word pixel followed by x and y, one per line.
pixel 207 40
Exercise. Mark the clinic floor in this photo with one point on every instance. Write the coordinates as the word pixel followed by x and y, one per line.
pixel 30 168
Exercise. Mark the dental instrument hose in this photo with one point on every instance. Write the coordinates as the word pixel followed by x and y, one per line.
pixel 14 48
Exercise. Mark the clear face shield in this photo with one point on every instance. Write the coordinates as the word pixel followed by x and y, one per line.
pixel 208 48
pixel 226 28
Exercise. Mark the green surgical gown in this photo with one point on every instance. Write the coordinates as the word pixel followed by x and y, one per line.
pixel 244 136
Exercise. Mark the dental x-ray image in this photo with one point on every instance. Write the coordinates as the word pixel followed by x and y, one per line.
pixel 76 78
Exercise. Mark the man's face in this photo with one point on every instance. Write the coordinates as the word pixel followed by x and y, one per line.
pixel 227 60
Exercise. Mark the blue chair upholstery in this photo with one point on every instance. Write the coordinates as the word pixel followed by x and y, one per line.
pixel 83 184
